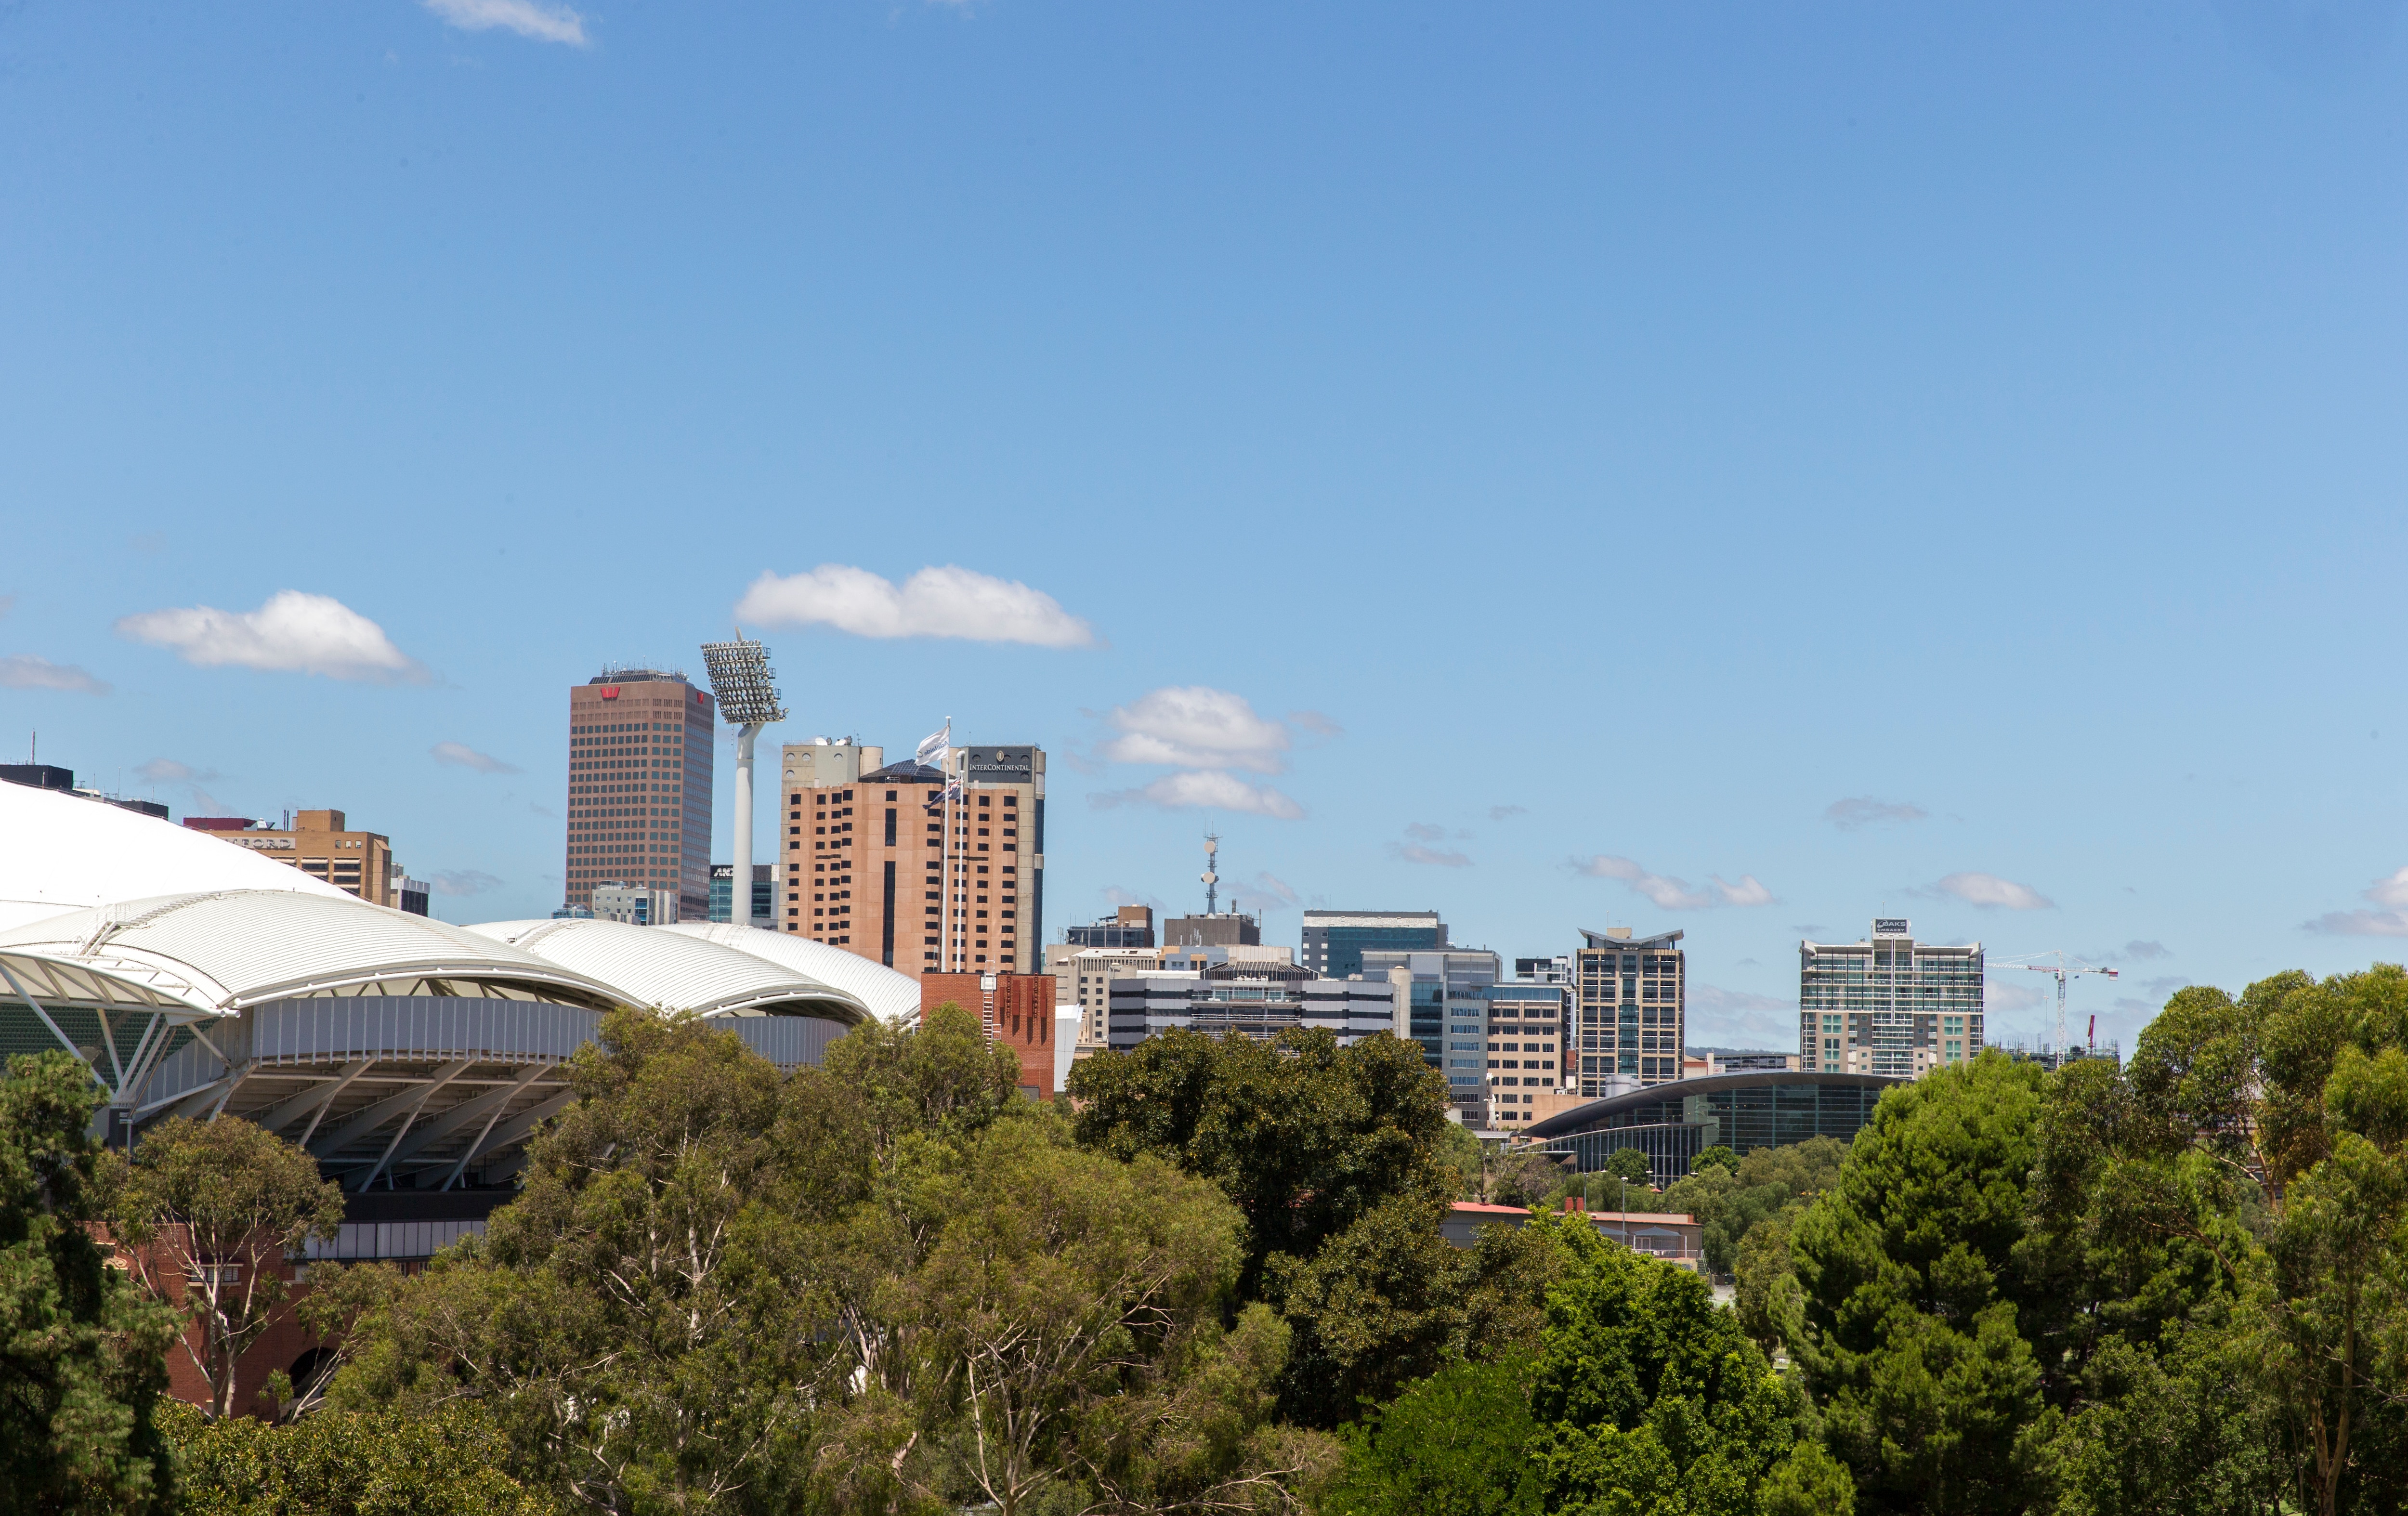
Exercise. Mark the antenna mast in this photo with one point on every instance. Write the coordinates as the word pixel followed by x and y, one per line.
pixel 1211 875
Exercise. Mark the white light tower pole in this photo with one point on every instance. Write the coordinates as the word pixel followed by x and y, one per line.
pixel 746 685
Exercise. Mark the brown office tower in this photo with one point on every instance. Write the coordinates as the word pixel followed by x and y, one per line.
pixel 1017 1010
pixel 874 864
pixel 639 769
pixel 319 846
pixel 1633 1008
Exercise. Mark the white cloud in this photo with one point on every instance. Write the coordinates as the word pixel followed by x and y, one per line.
pixel 293 632
pixel 544 24
pixel 948 602
pixel 465 881
pixel 1667 893
pixel 1266 890
pixel 1116 895
pixel 1413 853
pixel 24 671
pixel 1315 722
pixel 1205 792
pixel 169 771
pixel 1499 814
pixel 7 603
pixel 1864 810
pixel 1426 831
pixel 1195 726
pixel 468 757
pixel 1735 1018
pixel 2390 891
pixel 2010 996
pixel 2360 923
pixel 2140 951
pixel 1747 892
pixel 1990 891
pixel 1664 891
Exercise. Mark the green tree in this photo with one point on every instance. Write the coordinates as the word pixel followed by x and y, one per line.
pixel 1069 1312
pixel 1306 1136
pixel 1647 1394
pixel 82 1358
pixel 1716 1156
pixel 1390 1300
pixel 207 1213
pixel 1457 1443
pixel 1626 1163
pixel 1909 1298
pixel 341 1464
pixel 653 1322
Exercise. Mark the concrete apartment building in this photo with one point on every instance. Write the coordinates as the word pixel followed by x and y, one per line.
pixel 1253 997
pixel 1530 1062
pixel 1633 1008
pixel 1334 941
pixel 322 845
pixel 873 863
pixel 641 763
pixel 1889 1005
pixel 1219 929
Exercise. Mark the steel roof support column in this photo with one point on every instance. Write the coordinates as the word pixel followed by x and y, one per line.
pixel 72 1051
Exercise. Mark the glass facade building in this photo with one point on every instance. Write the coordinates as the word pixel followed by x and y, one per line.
pixel 1445 1012
pixel 1672 1124
pixel 722 891
pixel 1334 940
pixel 1633 1007
pixel 1888 1006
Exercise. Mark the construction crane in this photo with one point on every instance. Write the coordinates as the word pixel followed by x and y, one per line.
pixel 2064 969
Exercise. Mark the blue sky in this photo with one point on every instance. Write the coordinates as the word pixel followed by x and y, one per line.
pixel 1674 423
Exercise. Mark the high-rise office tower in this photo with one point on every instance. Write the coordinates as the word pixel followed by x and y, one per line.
pixel 639 773
pixel 1633 1007
pixel 873 863
pixel 1334 940
pixel 1889 1005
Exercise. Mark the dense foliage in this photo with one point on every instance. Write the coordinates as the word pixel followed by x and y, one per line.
pixel 82 1357
pixel 894 1286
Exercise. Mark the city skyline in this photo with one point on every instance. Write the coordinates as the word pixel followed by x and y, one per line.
pixel 1740 474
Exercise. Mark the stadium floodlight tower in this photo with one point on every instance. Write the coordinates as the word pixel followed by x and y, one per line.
pixel 746 685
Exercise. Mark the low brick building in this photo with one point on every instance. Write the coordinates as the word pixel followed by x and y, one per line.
pixel 1017 1010
pixel 1674 1236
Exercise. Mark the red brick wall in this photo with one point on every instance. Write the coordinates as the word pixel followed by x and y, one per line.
pixel 1017 1010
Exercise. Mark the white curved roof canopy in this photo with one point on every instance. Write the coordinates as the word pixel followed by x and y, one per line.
pixel 65 854
pixel 219 952
pixel 677 972
pixel 889 995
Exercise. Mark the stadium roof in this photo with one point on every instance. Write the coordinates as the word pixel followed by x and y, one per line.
pixel 215 954
pixel 678 971
pixel 65 854
pixel 889 995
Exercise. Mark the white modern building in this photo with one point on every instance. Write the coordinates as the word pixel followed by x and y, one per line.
pixel 1889 1005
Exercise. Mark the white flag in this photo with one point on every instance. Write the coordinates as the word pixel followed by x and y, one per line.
pixel 933 746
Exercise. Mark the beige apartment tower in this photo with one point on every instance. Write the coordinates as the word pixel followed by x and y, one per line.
pixel 321 846
pixel 640 760
pixel 877 861
pixel 1633 1007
